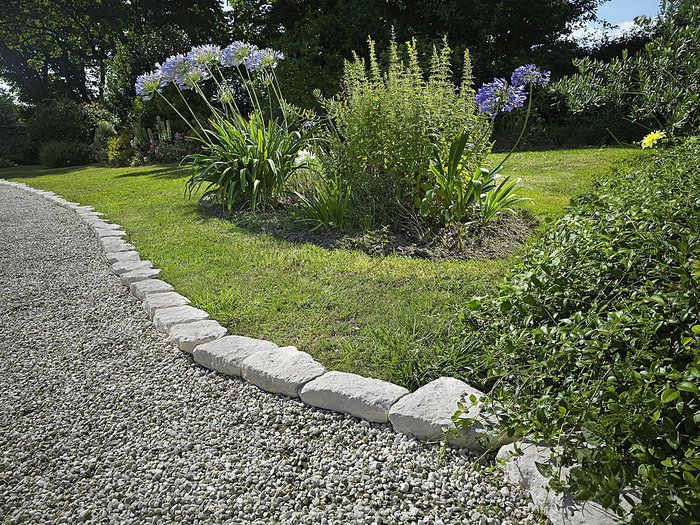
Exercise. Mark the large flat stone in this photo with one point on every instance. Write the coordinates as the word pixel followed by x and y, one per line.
pixel 561 509
pixel 101 233
pixel 115 257
pixel 363 397
pixel 142 289
pixel 104 225
pixel 189 335
pixel 225 355
pixel 129 266
pixel 281 370
pixel 113 244
pixel 428 411
pixel 156 301
pixel 166 318
pixel 139 275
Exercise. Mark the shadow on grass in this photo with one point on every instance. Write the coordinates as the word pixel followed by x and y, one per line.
pixel 156 172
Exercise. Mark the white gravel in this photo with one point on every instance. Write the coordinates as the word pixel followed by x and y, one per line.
pixel 102 420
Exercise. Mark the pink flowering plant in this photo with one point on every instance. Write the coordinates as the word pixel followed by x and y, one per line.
pixel 246 157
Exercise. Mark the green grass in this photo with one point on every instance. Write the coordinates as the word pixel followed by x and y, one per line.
pixel 351 311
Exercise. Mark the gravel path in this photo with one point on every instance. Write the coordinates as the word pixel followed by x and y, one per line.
pixel 103 421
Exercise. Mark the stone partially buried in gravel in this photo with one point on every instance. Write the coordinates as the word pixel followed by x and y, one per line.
pixel 166 318
pixel 187 336
pixel 520 467
pixel 129 266
pixel 363 397
pixel 115 257
pixel 113 244
pixel 102 233
pixel 140 274
pixel 154 302
pixel 281 370
pixel 225 355
pixel 425 413
pixel 142 289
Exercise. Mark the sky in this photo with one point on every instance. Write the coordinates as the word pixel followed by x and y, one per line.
pixel 620 13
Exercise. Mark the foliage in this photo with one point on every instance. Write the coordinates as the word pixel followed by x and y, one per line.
pixel 245 161
pixel 14 142
pixel 63 48
pixel 62 153
pixel 593 344
pixel 5 163
pixel 65 118
pixel 119 150
pixel 317 35
pixel 326 205
pixel 656 87
pixel 386 125
pixel 100 143
pixel 160 145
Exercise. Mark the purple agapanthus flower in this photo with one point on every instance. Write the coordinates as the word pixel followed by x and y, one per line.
pixel 497 97
pixel 237 53
pixel 183 71
pixel 206 55
pixel 270 58
pixel 149 83
pixel 530 74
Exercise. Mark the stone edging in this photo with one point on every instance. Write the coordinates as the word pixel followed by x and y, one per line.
pixel 423 414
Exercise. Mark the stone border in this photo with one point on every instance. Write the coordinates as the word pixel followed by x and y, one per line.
pixel 424 414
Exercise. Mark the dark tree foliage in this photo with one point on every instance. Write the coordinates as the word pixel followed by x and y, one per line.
pixel 63 47
pixel 318 35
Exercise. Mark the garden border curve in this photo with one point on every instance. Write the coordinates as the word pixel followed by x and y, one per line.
pixel 424 414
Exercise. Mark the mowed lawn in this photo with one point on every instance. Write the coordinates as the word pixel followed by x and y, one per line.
pixel 351 311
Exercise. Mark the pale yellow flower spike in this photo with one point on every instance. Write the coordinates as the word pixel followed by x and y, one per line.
pixel 652 138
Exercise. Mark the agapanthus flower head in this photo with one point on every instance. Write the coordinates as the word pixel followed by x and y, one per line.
pixel 175 69
pixel 532 75
pixel 149 83
pixel 497 97
pixel 254 60
pixel 237 53
pixel 269 58
pixel 206 55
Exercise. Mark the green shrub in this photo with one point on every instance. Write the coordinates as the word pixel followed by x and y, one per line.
pixel 100 143
pixel 5 163
pixel 62 153
pixel 119 150
pixel 245 161
pixel 656 87
pixel 326 205
pixel 593 345
pixel 387 124
pixel 66 120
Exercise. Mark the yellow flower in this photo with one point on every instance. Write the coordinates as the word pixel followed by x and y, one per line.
pixel 652 138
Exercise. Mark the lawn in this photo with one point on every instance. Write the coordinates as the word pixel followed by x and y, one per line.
pixel 351 311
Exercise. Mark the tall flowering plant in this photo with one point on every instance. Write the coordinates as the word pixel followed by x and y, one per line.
pixel 247 157
pixel 457 191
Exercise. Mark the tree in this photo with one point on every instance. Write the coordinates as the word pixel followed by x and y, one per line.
pixel 64 47
pixel 318 35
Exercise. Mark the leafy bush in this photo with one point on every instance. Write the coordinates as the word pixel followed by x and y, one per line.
pixel 14 141
pixel 119 150
pixel 66 120
pixel 593 345
pixel 386 125
pixel 656 87
pixel 161 145
pixel 100 143
pixel 245 161
pixel 5 163
pixel 63 153
pixel 326 205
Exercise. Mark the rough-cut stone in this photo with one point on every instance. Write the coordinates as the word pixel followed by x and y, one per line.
pixel 115 257
pixel 112 244
pixel 225 355
pixel 156 301
pixel 281 370
pixel 140 274
pixel 561 509
pixel 166 318
pixel 104 225
pixel 142 289
pixel 363 397
pixel 129 266
pixel 187 336
pixel 428 411
pixel 101 233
